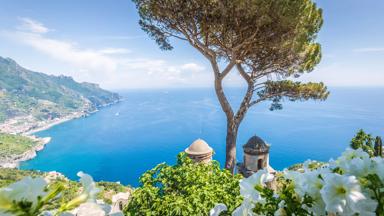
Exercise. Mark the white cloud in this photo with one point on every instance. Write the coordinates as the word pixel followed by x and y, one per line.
pixel 108 67
pixel 369 49
pixel 192 67
pixel 115 51
pixel 33 26
pixel 67 52
pixel 121 37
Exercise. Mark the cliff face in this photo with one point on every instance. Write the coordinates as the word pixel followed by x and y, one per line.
pixel 13 160
pixel 28 93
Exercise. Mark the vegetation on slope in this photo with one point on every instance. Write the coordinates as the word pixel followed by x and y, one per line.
pixel 15 144
pixel 24 92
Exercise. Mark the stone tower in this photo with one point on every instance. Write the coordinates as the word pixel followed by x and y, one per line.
pixel 199 151
pixel 256 157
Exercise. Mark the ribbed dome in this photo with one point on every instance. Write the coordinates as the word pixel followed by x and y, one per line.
pixel 198 147
pixel 256 145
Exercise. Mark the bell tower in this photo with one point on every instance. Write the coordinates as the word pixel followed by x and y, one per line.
pixel 256 157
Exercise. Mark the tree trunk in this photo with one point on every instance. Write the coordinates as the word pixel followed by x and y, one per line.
pixel 230 157
pixel 233 121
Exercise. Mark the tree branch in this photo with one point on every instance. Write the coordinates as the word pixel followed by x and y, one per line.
pixel 293 90
pixel 244 74
pixel 228 69
pixel 225 105
pixel 261 99
pixel 175 36
pixel 244 106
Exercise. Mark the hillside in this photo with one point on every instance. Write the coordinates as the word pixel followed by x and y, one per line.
pixel 28 96
pixel 15 148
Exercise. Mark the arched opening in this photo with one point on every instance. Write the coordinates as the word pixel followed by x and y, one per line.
pixel 260 164
pixel 121 205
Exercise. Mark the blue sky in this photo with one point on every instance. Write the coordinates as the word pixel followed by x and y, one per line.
pixel 100 41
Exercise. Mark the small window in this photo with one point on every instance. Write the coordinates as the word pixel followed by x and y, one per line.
pixel 260 164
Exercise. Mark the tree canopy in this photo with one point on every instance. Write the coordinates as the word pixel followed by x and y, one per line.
pixel 269 42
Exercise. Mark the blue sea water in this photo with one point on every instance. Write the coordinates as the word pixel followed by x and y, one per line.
pixel 122 141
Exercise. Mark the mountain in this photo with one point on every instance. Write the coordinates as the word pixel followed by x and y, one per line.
pixel 45 97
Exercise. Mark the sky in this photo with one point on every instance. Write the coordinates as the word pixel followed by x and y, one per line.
pixel 100 41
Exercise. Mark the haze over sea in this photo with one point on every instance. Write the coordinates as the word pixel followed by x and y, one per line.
pixel 122 141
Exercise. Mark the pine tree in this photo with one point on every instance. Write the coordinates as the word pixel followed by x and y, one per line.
pixel 267 41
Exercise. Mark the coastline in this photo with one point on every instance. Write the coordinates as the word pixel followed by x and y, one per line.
pixel 50 124
pixel 13 161
pixel 28 128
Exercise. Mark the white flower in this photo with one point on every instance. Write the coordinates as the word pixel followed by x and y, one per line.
pixel 245 209
pixel 342 195
pixel 312 183
pixel 349 154
pixel 89 186
pixel 27 189
pixel 307 163
pixel 297 179
pixel 247 185
pixel 116 214
pixel 367 207
pixel 89 208
pixel 359 167
pixel 3 213
pixel 218 209
pixel 378 167
pixel 345 159
pixel 309 183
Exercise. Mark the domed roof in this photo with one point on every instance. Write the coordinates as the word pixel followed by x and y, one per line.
pixel 198 147
pixel 256 145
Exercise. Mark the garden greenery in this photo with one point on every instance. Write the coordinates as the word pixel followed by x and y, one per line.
pixel 373 146
pixel 186 188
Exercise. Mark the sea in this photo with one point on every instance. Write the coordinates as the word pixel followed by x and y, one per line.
pixel 120 142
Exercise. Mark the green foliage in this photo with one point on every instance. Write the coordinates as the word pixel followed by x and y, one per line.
pixel 373 182
pixel 14 144
pixel 364 141
pixel 312 166
pixel 24 92
pixel 265 35
pixel 277 90
pixel 110 188
pixel 186 188
pixel 293 205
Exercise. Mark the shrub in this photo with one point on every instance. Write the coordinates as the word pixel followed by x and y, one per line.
pixel 186 188
pixel 364 141
pixel 351 185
